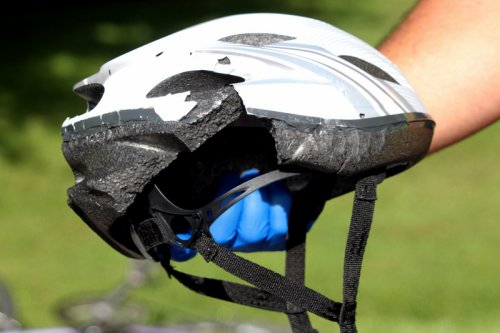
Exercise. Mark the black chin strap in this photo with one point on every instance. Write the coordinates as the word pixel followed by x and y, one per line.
pixel 296 259
pixel 361 220
pixel 271 290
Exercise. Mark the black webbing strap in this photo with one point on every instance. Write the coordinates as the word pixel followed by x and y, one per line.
pixel 361 221
pixel 273 291
pixel 228 291
pixel 267 280
pixel 250 296
pixel 295 262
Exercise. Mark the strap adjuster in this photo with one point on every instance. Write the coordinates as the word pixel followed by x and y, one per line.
pixel 366 188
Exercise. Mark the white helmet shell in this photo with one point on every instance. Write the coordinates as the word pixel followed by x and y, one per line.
pixel 289 65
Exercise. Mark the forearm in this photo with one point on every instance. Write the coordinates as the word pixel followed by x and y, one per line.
pixel 449 50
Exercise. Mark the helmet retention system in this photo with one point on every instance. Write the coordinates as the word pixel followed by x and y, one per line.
pixel 272 291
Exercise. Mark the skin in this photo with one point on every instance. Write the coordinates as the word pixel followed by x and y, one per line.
pixel 449 50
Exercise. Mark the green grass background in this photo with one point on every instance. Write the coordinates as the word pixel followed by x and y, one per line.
pixel 431 263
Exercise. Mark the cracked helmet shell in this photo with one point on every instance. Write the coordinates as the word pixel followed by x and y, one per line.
pixel 288 93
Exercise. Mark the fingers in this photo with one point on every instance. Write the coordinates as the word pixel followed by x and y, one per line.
pixel 253 226
pixel 224 229
pixel 263 223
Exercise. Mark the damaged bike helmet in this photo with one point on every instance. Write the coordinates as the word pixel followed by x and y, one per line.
pixel 302 101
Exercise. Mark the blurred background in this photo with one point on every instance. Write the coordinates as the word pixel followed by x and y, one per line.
pixel 431 260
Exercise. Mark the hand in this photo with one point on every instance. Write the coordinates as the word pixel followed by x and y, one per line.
pixel 259 222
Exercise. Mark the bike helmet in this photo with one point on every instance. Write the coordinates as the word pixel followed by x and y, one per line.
pixel 297 98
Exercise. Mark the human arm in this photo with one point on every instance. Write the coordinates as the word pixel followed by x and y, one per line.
pixel 449 50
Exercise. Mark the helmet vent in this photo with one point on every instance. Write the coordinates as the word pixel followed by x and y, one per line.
pixel 193 81
pixel 369 68
pixel 92 93
pixel 256 39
